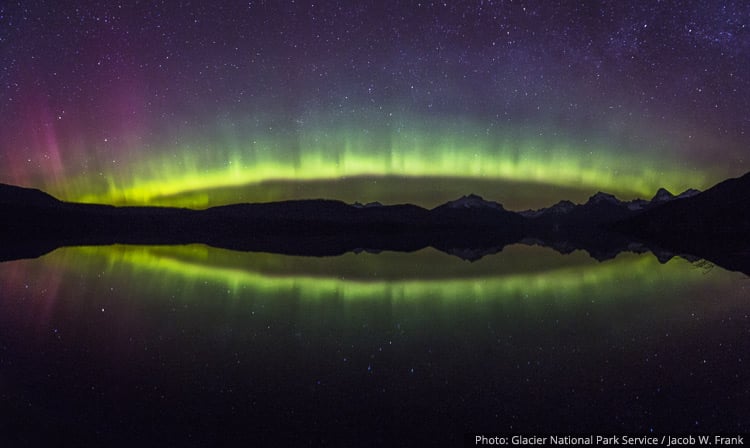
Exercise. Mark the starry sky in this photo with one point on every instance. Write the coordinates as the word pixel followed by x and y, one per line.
pixel 203 103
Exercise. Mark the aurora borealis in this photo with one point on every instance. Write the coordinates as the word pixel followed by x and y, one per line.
pixel 213 342
pixel 199 104
pixel 522 271
pixel 204 103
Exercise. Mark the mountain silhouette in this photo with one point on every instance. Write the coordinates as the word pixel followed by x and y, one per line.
pixel 30 228
pixel 711 225
pixel 721 212
pixel 600 210
pixel 11 194
pixel 714 223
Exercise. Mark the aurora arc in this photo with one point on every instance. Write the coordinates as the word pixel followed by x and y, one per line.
pixel 258 93
pixel 568 278
pixel 447 151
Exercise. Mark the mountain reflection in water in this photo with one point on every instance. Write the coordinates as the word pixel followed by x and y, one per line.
pixel 216 344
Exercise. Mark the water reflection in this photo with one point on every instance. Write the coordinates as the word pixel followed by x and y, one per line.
pixel 216 343
pixel 427 274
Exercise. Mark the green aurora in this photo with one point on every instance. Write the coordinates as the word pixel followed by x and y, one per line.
pixel 418 164
pixel 518 272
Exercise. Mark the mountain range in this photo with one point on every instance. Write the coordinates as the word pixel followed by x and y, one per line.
pixel 713 224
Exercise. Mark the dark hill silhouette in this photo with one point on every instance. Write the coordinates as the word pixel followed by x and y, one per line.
pixel 721 212
pixel 713 225
pixel 304 227
pixel 11 194
pixel 600 208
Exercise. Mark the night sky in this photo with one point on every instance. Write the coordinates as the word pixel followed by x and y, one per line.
pixel 201 103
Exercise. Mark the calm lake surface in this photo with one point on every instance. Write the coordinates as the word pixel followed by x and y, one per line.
pixel 190 345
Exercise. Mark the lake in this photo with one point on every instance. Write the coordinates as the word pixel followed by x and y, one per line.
pixel 194 346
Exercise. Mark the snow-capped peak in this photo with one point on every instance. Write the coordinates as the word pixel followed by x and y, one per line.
pixel 473 201
pixel 688 193
pixel 532 213
pixel 368 205
pixel 603 197
pixel 662 195
pixel 561 207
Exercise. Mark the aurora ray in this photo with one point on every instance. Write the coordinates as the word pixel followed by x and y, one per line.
pixel 146 104
pixel 451 153
pixel 518 271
